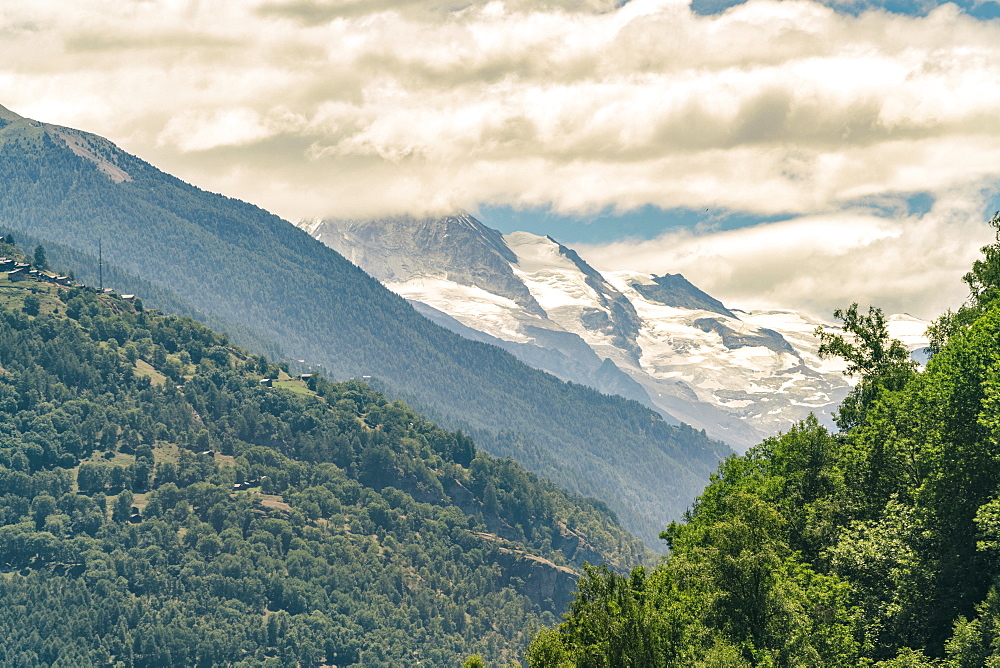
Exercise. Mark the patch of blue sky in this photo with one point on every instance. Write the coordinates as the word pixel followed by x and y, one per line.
pixel 920 204
pixel 894 205
pixel 992 203
pixel 647 222
pixel 980 9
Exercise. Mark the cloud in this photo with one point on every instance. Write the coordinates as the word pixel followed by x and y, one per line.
pixel 202 131
pixel 821 262
pixel 365 107
pixel 317 12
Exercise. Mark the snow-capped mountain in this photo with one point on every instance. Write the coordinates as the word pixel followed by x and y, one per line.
pixel 739 375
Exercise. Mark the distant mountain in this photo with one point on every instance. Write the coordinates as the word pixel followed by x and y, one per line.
pixel 236 262
pixel 405 248
pixel 741 376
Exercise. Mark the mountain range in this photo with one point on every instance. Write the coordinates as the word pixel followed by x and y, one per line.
pixel 271 286
pixel 741 375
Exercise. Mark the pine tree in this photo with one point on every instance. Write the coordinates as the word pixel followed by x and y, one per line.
pixel 40 262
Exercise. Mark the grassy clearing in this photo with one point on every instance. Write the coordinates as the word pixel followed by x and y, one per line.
pixel 12 294
pixel 296 386
pixel 144 368
pixel 140 501
pixel 110 458
pixel 225 460
pixel 274 501
pixel 166 452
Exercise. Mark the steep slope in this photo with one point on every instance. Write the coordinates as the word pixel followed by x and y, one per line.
pixel 575 296
pixel 161 506
pixel 741 376
pixel 731 360
pixel 565 356
pixel 404 248
pixel 675 290
pixel 458 272
pixel 233 260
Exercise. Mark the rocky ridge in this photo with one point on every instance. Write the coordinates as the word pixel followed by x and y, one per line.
pixel 741 375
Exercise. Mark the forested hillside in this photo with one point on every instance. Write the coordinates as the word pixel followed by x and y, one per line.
pixel 91 270
pixel 160 505
pixel 875 546
pixel 234 261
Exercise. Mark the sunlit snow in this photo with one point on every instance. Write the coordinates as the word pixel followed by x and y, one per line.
pixel 740 378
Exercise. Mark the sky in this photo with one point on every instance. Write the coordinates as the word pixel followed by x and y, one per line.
pixel 792 153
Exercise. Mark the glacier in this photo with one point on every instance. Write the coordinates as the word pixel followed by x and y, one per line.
pixel 740 375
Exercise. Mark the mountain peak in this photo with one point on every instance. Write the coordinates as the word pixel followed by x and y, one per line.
pixel 677 291
pixel 104 155
pixel 456 247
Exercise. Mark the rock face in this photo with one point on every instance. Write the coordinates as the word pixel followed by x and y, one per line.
pixel 457 249
pixel 547 584
pixel 578 550
pixel 739 375
pixel 675 290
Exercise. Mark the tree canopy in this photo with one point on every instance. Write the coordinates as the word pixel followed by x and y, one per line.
pixel 875 546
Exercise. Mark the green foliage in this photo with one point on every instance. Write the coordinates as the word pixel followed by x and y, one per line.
pixel 984 289
pixel 31 304
pixel 267 282
pixel 882 363
pixel 39 259
pixel 877 546
pixel 547 649
pixel 277 527
pixel 909 658
pixel 984 277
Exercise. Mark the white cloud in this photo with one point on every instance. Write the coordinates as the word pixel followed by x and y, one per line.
pixel 318 108
pixel 823 262
pixel 201 131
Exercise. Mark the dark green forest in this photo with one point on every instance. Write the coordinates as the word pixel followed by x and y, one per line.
pixel 160 505
pixel 874 546
pixel 273 287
